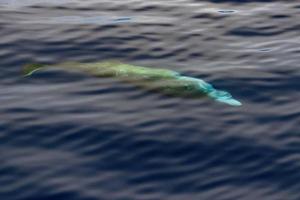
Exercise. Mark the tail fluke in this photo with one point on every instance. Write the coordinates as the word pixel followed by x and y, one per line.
pixel 31 68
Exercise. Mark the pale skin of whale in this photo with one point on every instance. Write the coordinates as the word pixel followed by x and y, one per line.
pixel 161 80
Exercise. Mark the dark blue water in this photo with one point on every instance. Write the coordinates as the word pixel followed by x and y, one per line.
pixel 69 136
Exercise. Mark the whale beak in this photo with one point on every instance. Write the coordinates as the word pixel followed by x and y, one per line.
pixel 231 102
pixel 224 97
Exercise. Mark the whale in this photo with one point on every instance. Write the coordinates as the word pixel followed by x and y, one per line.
pixel 165 81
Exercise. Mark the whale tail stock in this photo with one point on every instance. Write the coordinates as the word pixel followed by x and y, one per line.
pixel 29 69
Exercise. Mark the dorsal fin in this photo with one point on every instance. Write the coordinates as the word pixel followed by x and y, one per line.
pixel 31 68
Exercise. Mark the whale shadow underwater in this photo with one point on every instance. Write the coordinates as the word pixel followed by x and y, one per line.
pixel 164 81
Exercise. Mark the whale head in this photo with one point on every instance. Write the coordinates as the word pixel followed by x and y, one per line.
pixel 208 89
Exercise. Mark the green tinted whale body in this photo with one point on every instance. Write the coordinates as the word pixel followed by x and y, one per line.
pixel 161 80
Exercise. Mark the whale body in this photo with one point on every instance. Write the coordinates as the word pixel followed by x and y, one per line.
pixel 162 80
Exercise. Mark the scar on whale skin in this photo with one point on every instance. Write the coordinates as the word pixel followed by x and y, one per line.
pixel 161 80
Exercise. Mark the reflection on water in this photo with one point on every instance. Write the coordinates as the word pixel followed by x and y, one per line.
pixel 72 136
pixel 86 20
pixel 79 20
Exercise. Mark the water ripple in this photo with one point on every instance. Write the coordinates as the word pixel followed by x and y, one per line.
pixel 72 136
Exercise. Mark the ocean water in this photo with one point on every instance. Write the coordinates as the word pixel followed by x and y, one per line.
pixel 69 136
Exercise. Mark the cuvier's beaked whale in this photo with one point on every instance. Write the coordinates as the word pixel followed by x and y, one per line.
pixel 162 80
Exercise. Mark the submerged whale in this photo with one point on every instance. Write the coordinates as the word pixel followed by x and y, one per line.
pixel 162 80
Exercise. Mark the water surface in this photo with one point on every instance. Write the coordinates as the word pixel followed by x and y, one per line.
pixel 74 137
